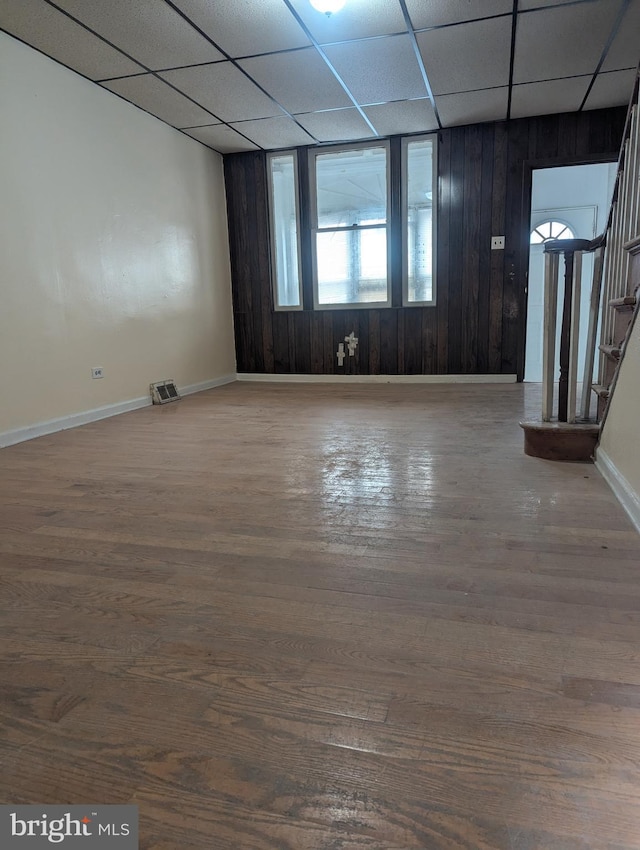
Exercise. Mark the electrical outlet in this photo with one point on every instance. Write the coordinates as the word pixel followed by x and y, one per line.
pixel 497 243
pixel 97 372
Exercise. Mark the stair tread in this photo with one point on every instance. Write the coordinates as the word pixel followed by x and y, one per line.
pixel 564 427
pixel 612 351
pixel 625 301
pixel 600 390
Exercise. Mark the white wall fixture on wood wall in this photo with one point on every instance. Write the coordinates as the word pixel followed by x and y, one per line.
pixel 352 343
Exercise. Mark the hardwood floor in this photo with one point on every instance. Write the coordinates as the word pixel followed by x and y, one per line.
pixel 293 617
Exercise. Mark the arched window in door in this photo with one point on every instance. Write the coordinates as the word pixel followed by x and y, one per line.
pixel 549 230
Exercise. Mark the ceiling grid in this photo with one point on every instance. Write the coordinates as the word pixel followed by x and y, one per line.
pixel 239 75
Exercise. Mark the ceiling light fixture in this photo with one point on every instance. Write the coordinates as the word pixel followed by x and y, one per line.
pixel 328 7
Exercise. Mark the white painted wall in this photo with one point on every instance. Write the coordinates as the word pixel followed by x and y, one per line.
pixel 113 247
pixel 618 457
pixel 584 185
pixel 579 196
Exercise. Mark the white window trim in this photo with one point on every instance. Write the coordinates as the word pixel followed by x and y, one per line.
pixel 272 241
pixel 313 201
pixel 404 217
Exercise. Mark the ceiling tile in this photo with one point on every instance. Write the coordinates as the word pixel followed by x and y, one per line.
pixel 301 80
pixel 336 125
pixel 562 42
pixel 221 138
pixel 358 19
pixel 402 116
pixel 473 107
pixel 485 46
pixel 548 97
pixel 625 50
pixel 379 70
pixel 55 34
pixel 558 46
pixel 611 89
pixel 160 99
pixel 273 133
pixel 434 13
pixel 151 32
pixel 225 90
pixel 244 27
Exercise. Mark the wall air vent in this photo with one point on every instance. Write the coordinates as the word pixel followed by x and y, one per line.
pixel 163 392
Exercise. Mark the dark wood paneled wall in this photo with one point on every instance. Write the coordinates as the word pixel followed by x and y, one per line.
pixel 478 325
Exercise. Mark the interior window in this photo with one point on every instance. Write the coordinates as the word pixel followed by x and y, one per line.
pixel 285 243
pixel 418 219
pixel 350 222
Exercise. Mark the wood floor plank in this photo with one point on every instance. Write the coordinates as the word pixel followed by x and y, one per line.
pixel 322 618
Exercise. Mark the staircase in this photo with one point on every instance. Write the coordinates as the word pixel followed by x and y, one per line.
pixel 572 433
pixel 624 309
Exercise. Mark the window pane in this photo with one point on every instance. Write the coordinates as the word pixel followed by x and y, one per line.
pixel 351 187
pixel 352 266
pixel 285 231
pixel 419 221
pixel 333 257
pixel 373 258
pixel 550 230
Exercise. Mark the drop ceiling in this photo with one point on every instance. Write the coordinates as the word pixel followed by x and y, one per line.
pixel 243 75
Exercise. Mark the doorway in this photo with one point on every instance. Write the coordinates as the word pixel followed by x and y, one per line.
pixel 567 202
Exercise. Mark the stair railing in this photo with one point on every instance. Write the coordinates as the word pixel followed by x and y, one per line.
pixel 610 281
pixel 623 225
pixel 574 436
pixel 573 251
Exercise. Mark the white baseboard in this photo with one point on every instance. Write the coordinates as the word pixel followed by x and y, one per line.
pixel 207 385
pixel 41 429
pixel 375 379
pixel 50 426
pixel 622 490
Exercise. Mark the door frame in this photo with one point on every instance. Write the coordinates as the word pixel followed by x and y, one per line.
pixel 522 255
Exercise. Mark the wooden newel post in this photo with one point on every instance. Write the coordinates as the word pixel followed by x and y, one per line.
pixel 549 335
pixel 565 333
